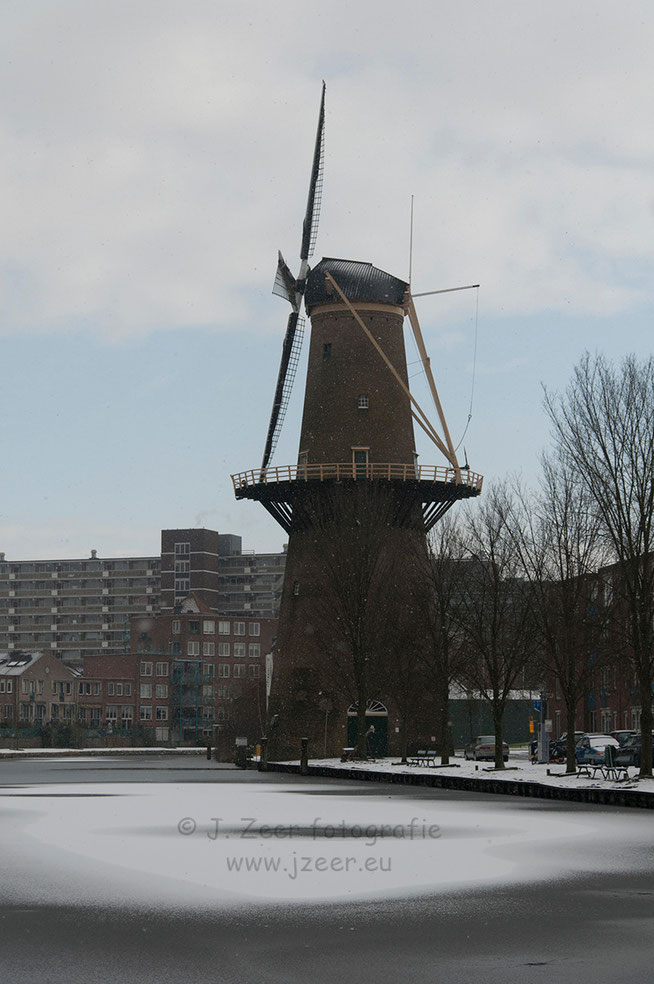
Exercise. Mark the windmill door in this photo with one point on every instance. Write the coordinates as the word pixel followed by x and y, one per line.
pixel 360 462
pixel 376 726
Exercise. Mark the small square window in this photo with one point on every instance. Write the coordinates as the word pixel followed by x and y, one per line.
pixel 362 401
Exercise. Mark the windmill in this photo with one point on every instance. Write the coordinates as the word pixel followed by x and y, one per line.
pixel 357 486
pixel 292 290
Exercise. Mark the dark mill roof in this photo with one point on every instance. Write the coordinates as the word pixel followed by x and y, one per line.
pixel 358 281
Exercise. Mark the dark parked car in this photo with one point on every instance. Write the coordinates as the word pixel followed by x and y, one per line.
pixel 629 753
pixel 622 736
pixel 484 748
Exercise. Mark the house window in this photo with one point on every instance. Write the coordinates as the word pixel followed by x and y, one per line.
pixel 145 713
pixel 223 669
pixel 146 669
pixel 162 713
pixel 194 626
pixel 207 690
pixel 128 690
pixel 254 629
pixel 176 626
pixel 182 566
pixel 254 649
pixel 193 649
pixel 96 689
pixel 209 626
pixel 223 649
pixel 239 628
pixel 119 690
pixel 208 648
pixel 146 690
pixel 182 585
pixel 110 689
pixel 362 401
pixel 112 712
pixel 254 671
pixel 239 650
pixel 162 669
pixel 176 648
pixel 161 691
pixel 208 669
pixel 182 549
pixel 223 628
pixel 239 669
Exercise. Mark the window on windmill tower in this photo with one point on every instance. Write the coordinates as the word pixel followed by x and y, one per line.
pixel 362 401
pixel 327 350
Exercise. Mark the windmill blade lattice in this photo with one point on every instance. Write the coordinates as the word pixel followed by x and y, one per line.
pixel 293 290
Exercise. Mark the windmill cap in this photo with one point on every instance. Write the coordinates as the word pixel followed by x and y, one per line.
pixel 358 281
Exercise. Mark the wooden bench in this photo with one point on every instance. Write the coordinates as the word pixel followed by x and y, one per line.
pixel 426 756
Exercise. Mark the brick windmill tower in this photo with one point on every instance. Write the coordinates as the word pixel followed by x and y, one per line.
pixel 356 506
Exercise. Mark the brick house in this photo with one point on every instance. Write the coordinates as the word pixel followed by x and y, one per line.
pixel 35 689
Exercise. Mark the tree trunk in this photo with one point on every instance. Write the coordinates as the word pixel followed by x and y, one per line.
pixel 645 681
pixel 570 723
pixel 443 723
pixel 361 751
pixel 499 742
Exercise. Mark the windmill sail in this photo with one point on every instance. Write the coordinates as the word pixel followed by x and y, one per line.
pixel 314 200
pixel 293 290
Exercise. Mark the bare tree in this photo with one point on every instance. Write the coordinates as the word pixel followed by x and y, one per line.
pixel 604 428
pixel 444 655
pixel 359 551
pixel 559 545
pixel 495 607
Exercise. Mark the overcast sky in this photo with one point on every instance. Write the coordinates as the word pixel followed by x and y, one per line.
pixel 156 155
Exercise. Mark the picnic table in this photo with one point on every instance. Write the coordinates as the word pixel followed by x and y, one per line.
pixel 614 773
pixel 426 756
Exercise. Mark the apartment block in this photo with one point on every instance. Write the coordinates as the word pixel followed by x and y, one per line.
pixel 82 607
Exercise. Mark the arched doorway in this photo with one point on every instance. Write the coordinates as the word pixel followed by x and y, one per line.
pixel 377 719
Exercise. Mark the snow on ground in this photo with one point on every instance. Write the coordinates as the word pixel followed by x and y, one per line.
pixel 75 752
pixel 518 769
pixel 210 846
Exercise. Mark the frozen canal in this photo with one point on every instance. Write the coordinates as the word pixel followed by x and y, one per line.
pixel 179 870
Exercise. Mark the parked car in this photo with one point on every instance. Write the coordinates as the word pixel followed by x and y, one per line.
pixel 629 752
pixel 622 736
pixel 484 748
pixel 564 737
pixel 591 749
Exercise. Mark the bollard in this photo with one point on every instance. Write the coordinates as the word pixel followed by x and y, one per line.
pixel 208 753
pixel 304 757
pixel 263 757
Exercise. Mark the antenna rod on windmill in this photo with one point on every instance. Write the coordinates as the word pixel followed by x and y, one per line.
pixel 411 242
pixel 446 290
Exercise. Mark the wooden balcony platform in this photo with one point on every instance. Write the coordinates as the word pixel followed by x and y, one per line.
pixel 434 487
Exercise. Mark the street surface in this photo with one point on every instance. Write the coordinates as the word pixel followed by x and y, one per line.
pixel 136 870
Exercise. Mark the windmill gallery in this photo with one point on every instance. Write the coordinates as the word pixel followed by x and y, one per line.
pixel 357 506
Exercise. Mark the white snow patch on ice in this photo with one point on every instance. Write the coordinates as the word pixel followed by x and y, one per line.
pixel 199 845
